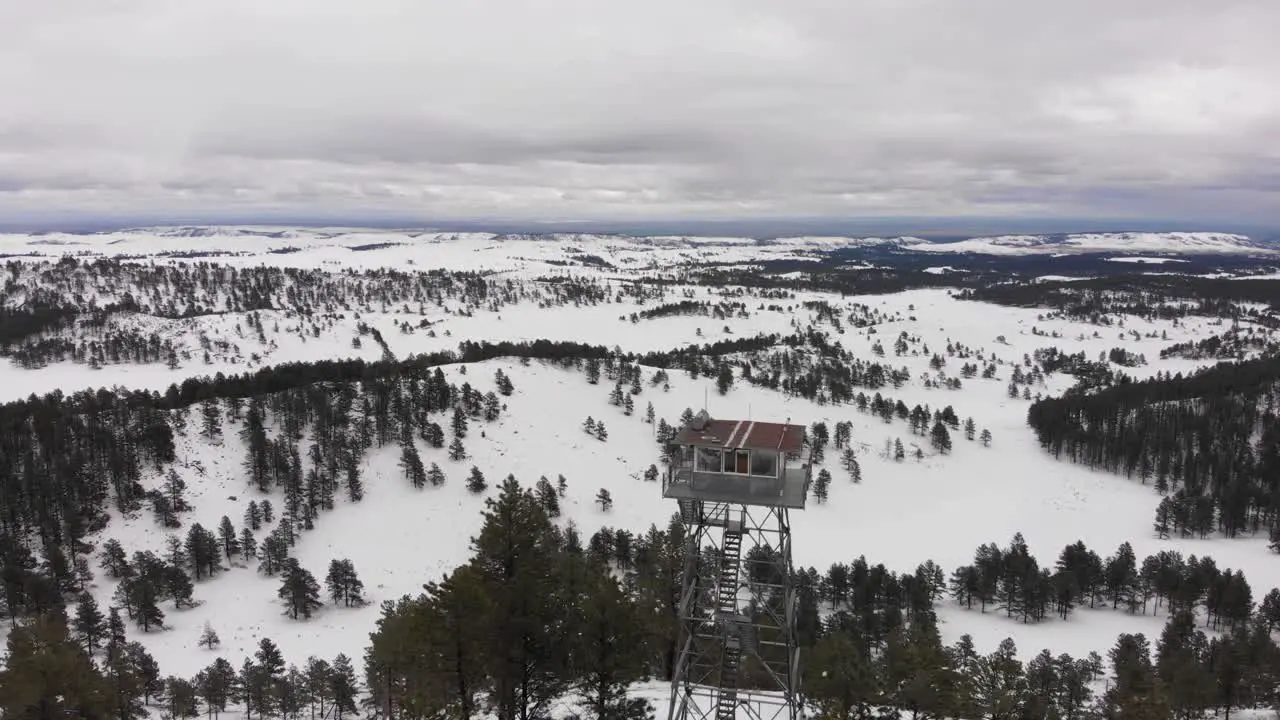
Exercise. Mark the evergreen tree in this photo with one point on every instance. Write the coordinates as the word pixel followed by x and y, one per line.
pixel 180 698
pixel 822 485
pixel 969 428
pixel 476 482
pixel 411 466
pixel 516 556
pixel 47 675
pixel 999 684
pixel 228 538
pixel 610 649
pixel 253 516
pixel 89 625
pixel 343 686
pixel 114 559
pixel 940 438
pixel 209 638
pixel 215 685
pixel 547 497
pixel 986 437
pixel 724 378
pixel 298 589
pixel 343 584
pixel 604 499
pixel 459 424
pixel 435 475
pixel 456 451
pixel 248 544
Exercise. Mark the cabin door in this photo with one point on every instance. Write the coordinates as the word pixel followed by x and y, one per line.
pixel 742 464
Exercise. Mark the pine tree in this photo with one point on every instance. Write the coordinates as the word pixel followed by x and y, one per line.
pixel 822 485
pixel 211 420
pixel 840 678
pixel 435 475
pixel 651 473
pixel 343 686
pixel 648 413
pixel 180 698
pixel 724 378
pixel 476 483
pixel 215 684
pixel 456 451
pixel 253 516
pixel 940 438
pixel 411 466
pixel 114 560
pixel 89 624
pixel 604 499
pixel 248 544
pixel 547 497
pixel 899 452
pixel 268 512
pixel 343 584
pixel 459 424
pixel 228 538
pixel 517 559
pixel 986 437
pixel 969 428
pixel 298 589
pixel 601 433
pixel 143 597
pixel 47 675
pixel 209 638
pixel 610 648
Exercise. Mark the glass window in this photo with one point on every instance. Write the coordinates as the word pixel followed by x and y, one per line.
pixel 708 460
pixel 728 461
pixel 764 464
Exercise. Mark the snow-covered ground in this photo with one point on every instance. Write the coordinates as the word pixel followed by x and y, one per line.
pixel 941 508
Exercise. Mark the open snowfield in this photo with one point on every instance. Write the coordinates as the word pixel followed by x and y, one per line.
pixel 903 513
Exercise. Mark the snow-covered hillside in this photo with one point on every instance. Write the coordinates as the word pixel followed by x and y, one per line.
pixel 1181 243
pixel 931 506
pixel 902 513
pixel 356 247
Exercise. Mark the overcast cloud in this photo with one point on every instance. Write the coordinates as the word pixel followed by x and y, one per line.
pixel 636 109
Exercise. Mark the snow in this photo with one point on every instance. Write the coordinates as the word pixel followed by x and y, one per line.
pixel 902 514
pixel 1146 260
pixel 1165 242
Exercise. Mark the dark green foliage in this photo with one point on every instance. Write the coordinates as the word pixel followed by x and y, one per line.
pixel 47 675
pixel 298 589
pixel 343 584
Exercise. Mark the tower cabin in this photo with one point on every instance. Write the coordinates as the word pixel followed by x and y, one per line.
pixel 742 462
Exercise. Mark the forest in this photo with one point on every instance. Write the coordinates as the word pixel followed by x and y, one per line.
pixel 539 613
pixel 1208 441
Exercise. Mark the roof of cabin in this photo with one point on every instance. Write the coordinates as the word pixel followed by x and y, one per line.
pixel 743 434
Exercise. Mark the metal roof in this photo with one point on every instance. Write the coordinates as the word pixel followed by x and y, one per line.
pixel 743 434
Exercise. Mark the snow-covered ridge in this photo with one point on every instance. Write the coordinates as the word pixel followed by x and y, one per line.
pixel 258 239
pixel 1184 243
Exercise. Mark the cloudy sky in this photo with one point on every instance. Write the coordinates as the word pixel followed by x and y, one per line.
pixel 605 109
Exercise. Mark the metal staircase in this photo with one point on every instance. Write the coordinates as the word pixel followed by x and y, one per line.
pixel 727 611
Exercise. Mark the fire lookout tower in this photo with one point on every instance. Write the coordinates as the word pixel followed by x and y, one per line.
pixel 736 481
